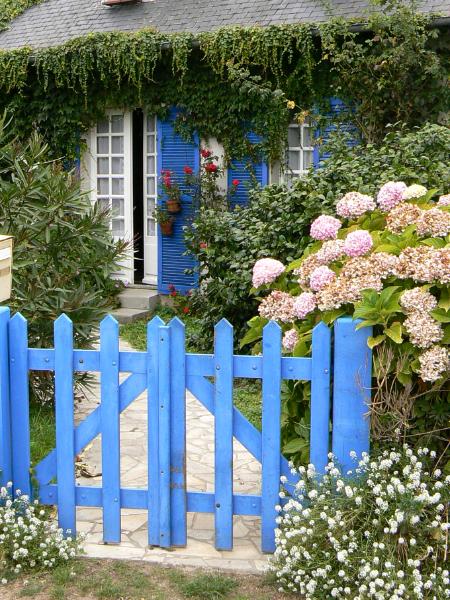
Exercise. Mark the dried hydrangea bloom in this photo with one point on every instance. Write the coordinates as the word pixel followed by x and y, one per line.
pixel 321 277
pixel 325 228
pixel 414 191
pixel 277 306
pixel 266 270
pixel 383 263
pixel 434 363
pixel 290 340
pixel 434 222
pixel 358 243
pixel 424 264
pixel 304 304
pixel 304 271
pixel 444 200
pixel 334 295
pixel 354 204
pixel 330 251
pixel 390 194
pixel 423 330
pixel 417 299
pixel 347 288
pixel 401 216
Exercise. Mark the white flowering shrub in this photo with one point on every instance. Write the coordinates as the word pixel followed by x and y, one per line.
pixel 380 532
pixel 28 539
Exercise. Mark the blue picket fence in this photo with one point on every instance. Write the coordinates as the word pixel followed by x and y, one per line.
pixel 166 371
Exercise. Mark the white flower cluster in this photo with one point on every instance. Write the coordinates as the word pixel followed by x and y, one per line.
pixel 380 532
pixel 28 539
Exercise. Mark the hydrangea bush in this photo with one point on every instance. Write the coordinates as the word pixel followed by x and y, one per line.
pixel 386 260
pixel 28 539
pixel 380 532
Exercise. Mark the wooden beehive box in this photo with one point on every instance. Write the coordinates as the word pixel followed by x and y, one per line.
pixel 6 244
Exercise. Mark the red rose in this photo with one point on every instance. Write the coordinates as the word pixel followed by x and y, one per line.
pixel 205 152
pixel 167 181
pixel 165 172
pixel 173 294
pixel 235 182
pixel 203 245
pixel 211 167
pixel 185 310
pixel 188 170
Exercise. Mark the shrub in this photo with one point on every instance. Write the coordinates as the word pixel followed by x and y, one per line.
pixel 388 264
pixel 276 221
pixel 64 254
pixel 28 539
pixel 382 533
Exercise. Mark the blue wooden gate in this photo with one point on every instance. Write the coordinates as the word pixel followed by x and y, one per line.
pixel 165 370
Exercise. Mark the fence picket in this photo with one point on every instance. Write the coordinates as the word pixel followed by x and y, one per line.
pixel 164 436
pixel 178 433
pixel 223 434
pixel 110 429
pixel 6 474
pixel 153 429
pixel 271 423
pixel 20 406
pixel 320 396
pixel 65 436
pixel 351 390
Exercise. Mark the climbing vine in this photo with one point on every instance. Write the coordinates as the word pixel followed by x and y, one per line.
pixel 234 79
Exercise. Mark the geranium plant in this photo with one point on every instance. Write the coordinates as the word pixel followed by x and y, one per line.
pixel 385 260
pixel 171 190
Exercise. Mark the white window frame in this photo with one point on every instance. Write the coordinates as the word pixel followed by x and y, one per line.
pixel 150 197
pixel 301 150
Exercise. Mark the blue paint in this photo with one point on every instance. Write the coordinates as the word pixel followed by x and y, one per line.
pixel 65 437
pixel 6 474
pixel 110 428
pixel 248 172
pixel 164 435
pixel 320 396
pixel 223 434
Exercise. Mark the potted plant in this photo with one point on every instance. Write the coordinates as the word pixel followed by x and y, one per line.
pixel 165 220
pixel 171 191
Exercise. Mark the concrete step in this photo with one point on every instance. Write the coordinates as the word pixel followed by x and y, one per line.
pixel 128 315
pixel 138 298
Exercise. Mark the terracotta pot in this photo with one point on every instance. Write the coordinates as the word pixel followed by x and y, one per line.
pixel 167 227
pixel 173 206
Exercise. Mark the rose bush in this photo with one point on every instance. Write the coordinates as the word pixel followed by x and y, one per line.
pixel 386 260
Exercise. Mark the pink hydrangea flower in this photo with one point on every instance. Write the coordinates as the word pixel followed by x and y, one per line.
pixel 290 339
pixel 354 204
pixel 304 304
pixel 321 277
pixel 444 200
pixel 325 228
pixel 357 243
pixel 330 251
pixel 266 270
pixel 391 194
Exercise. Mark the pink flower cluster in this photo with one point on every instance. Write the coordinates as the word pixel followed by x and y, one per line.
pixel 278 306
pixel 444 200
pixel 321 277
pixel 358 243
pixel 354 204
pixel 304 304
pixel 330 251
pixel 266 270
pixel 390 194
pixel 290 340
pixel 325 228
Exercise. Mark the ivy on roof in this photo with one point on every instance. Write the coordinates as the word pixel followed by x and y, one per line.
pixel 10 9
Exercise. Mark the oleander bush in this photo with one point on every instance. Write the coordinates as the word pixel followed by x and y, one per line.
pixel 385 261
pixel 29 539
pixel 380 532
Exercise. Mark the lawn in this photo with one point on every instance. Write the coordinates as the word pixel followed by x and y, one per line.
pixel 89 579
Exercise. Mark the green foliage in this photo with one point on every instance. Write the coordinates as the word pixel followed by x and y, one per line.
pixel 64 254
pixel 276 222
pixel 10 9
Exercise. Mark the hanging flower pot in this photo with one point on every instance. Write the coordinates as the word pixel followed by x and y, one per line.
pixel 173 206
pixel 167 227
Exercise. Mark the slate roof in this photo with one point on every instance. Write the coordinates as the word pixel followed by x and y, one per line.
pixel 56 21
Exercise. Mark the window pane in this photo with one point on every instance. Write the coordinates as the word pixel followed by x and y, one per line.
pixel 117 165
pixel 102 166
pixel 118 207
pixel 150 165
pixel 103 203
pixel 102 186
pixel 151 227
pixel 307 136
pixel 117 123
pixel 102 145
pixel 117 144
pixel 150 206
pixel 294 137
pixel 151 188
pixel 150 144
pixel 294 161
pixel 150 123
pixel 307 159
pixel 117 186
pixel 103 126
pixel 118 227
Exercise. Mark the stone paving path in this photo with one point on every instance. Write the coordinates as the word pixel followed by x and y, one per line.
pixel 200 552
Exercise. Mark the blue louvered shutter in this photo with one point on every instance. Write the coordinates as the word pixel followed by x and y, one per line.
pixel 247 171
pixel 337 106
pixel 174 153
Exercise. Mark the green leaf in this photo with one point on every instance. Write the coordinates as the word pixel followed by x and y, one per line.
pixel 374 341
pixel 295 446
pixel 444 300
pixel 395 332
pixel 441 315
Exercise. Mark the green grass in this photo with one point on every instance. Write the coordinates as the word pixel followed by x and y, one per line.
pixel 204 586
pixel 42 428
